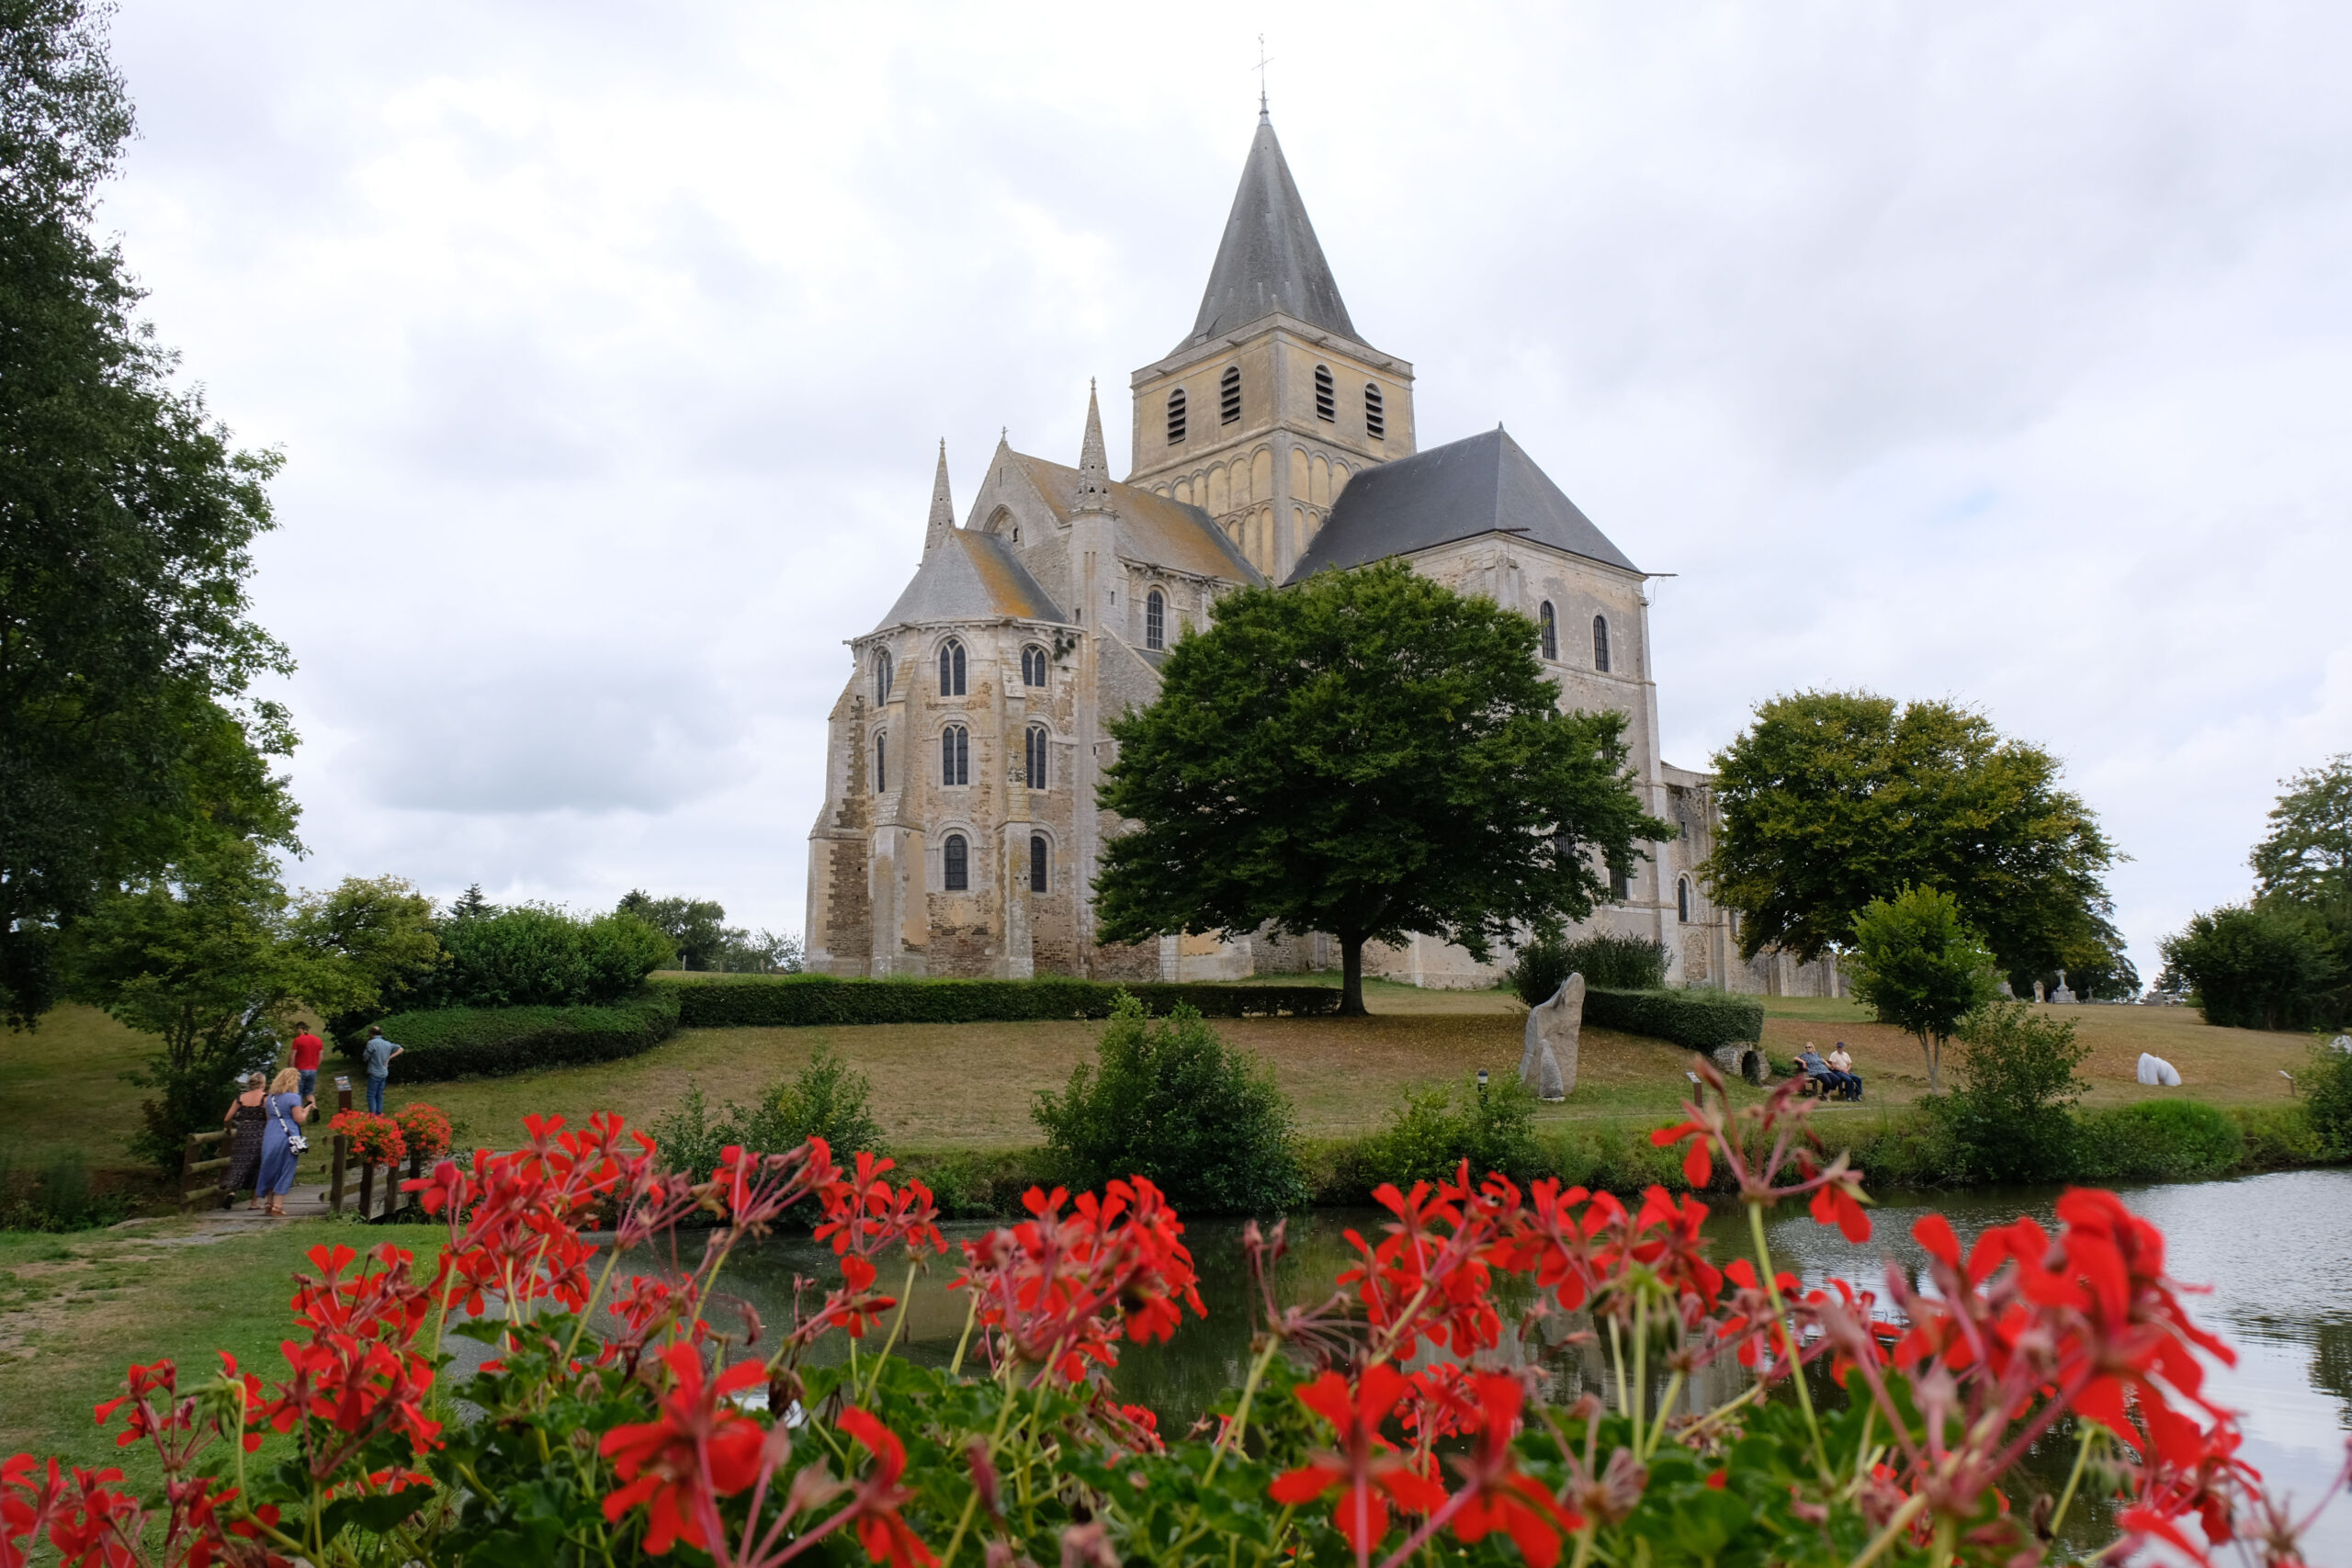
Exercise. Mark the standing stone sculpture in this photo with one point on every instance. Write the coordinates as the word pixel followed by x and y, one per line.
pixel 1548 1065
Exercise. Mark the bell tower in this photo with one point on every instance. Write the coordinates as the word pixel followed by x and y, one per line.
pixel 1262 416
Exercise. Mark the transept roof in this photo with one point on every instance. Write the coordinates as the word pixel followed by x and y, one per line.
pixel 1150 528
pixel 971 576
pixel 1484 484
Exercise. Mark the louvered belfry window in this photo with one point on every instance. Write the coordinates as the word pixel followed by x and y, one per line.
pixel 955 755
pixel 1228 394
pixel 1176 416
pixel 1375 421
pixel 1327 402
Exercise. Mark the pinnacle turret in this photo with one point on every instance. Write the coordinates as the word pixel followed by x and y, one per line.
pixel 942 509
pixel 1093 462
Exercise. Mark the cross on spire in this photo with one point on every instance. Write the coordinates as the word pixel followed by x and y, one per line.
pixel 1262 63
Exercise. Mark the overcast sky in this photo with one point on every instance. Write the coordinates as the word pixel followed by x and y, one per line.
pixel 1996 352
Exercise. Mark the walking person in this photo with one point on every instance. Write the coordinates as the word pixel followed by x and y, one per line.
pixel 286 1110
pixel 246 1117
pixel 308 1048
pixel 380 1051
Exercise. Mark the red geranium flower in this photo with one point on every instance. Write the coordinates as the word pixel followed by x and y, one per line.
pixel 1369 1473
pixel 701 1449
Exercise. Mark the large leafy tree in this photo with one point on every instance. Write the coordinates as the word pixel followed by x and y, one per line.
pixel 126 519
pixel 1370 754
pixel 2304 865
pixel 1833 799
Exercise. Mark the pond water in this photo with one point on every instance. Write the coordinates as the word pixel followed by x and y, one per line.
pixel 2276 1249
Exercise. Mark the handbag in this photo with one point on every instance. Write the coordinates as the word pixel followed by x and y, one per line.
pixel 294 1140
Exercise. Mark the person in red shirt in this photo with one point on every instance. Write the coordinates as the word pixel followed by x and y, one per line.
pixel 307 1049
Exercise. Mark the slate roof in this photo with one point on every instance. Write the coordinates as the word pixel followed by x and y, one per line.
pixel 1483 484
pixel 971 576
pixel 1150 527
pixel 1268 259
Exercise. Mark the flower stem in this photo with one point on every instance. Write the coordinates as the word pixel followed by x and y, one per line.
pixel 906 1297
pixel 1788 1335
pixel 1641 1362
pixel 1894 1527
pixel 1234 1431
pixel 971 1315
pixel 2091 1429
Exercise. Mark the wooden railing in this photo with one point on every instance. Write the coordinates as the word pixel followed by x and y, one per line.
pixel 191 1167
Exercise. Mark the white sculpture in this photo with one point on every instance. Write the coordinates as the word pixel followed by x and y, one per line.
pixel 2341 1042
pixel 2156 1070
pixel 1548 1065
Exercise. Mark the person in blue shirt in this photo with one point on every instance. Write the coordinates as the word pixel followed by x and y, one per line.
pixel 379 1053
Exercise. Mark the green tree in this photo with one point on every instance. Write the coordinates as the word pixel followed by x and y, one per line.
pixel 470 905
pixel 126 522
pixel 1917 966
pixel 1833 799
pixel 1371 754
pixel 2012 1115
pixel 2265 965
pixel 381 929
pixel 2306 861
pixel 1168 1098
pixel 695 927
pixel 538 955
pixel 203 962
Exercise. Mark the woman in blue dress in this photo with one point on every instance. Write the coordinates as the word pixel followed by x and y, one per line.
pixel 286 1112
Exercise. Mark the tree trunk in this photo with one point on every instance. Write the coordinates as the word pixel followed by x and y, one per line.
pixel 1935 1060
pixel 1351 977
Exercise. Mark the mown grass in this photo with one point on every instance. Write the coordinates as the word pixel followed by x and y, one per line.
pixel 76 1310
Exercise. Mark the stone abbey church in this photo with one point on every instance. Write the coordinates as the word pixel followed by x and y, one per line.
pixel 959 834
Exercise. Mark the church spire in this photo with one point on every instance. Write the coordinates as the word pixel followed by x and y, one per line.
pixel 1093 461
pixel 1268 259
pixel 942 509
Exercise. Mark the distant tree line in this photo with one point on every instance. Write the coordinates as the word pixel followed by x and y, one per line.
pixel 698 928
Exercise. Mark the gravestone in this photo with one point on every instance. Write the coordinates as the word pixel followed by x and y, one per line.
pixel 2002 990
pixel 2038 995
pixel 2062 995
pixel 1548 1065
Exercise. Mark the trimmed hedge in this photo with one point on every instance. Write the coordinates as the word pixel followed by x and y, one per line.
pixel 1702 1020
pixel 448 1042
pixel 756 1002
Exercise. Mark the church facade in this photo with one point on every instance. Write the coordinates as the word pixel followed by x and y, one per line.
pixel 959 834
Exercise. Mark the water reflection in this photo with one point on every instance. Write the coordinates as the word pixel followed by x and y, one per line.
pixel 2276 1249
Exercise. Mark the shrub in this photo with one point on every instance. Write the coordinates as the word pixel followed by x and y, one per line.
pixel 1434 1129
pixel 2324 1086
pixel 448 1042
pixel 2279 1137
pixel 791 1001
pixel 537 955
pixel 1620 963
pixel 827 1099
pixel 1701 1018
pixel 2263 966
pixel 2017 1077
pixel 2159 1140
pixel 1170 1099
pixel 60 1199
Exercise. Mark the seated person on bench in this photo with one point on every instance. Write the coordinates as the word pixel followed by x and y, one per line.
pixel 1827 1079
pixel 1843 1066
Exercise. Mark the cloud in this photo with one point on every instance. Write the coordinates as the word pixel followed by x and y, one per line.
pixel 1993 353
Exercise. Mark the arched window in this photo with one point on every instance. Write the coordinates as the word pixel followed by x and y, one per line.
pixel 1155 620
pixel 1548 626
pixel 1228 394
pixel 1683 898
pixel 1033 666
pixel 1034 761
pixel 881 764
pixel 1176 416
pixel 955 858
pixel 1036 863
pixel 1376 421
pixel 955 755
pixel 950 669
pixel 1600 643
pixel 881 675
pixel 1327 402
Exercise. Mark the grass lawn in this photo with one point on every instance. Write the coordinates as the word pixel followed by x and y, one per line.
pixel 971 1086
pixel 76 1310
